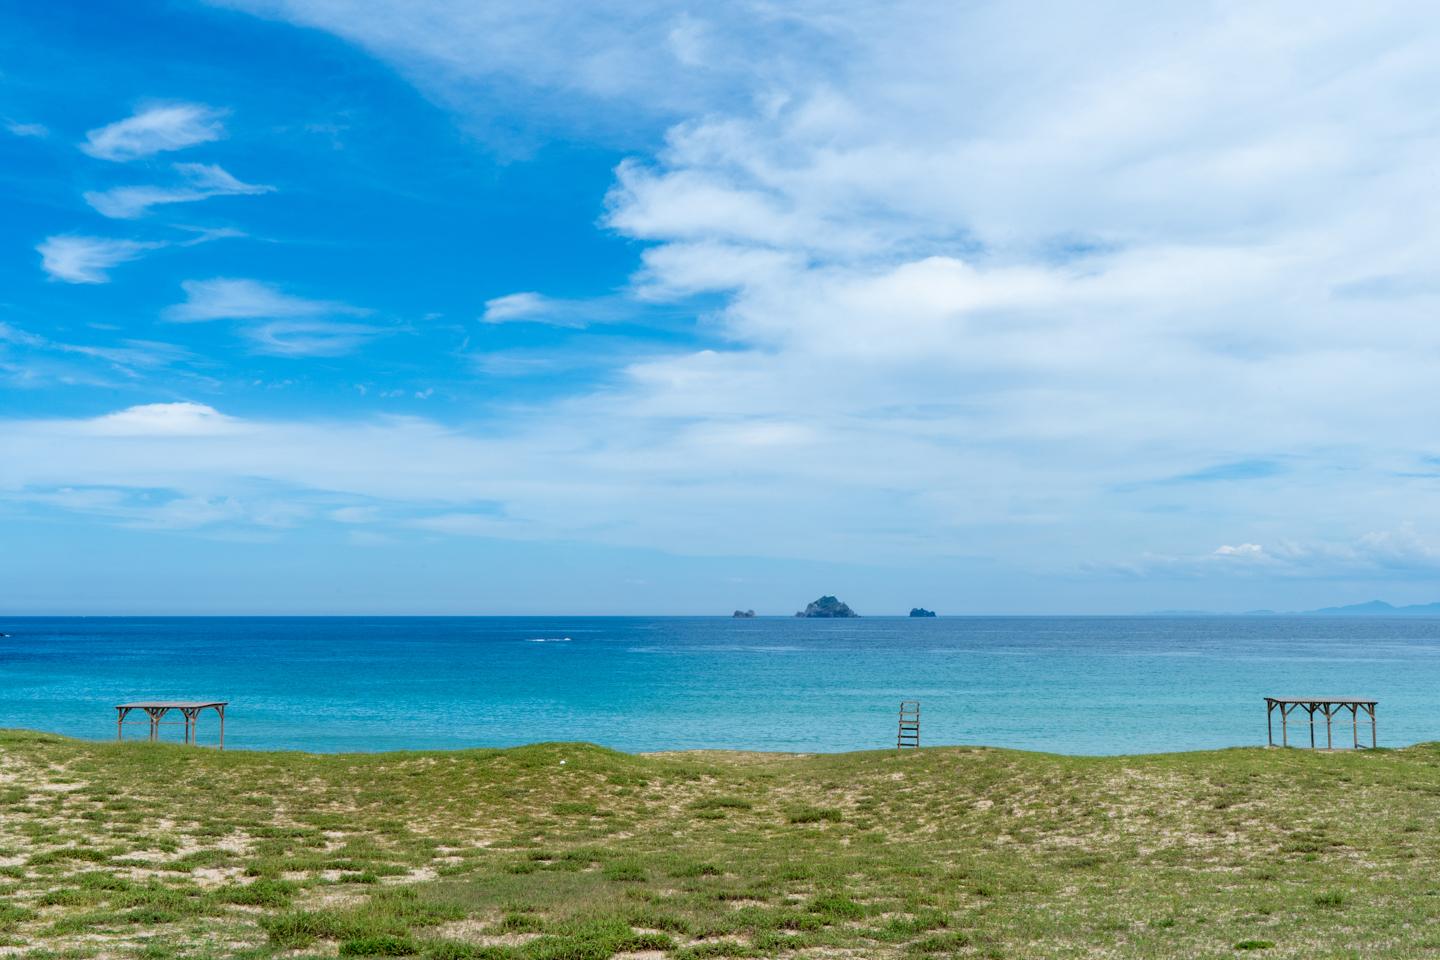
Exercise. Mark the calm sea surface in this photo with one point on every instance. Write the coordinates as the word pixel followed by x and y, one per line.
pixel 1073 685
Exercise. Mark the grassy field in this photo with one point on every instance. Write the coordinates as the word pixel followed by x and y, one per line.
pixel 571 852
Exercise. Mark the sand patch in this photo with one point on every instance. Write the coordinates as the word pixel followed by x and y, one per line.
pixel 474 931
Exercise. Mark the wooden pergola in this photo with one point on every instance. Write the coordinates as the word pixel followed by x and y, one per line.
pixel 157 709
pixel 1327 707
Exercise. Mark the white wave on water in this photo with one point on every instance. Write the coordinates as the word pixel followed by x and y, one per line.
pixel 547 639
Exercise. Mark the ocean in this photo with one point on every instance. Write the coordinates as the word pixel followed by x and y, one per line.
pixel 1081 685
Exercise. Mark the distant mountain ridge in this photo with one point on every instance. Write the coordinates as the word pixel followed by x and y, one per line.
pixel 1371 608
pixel 1376 608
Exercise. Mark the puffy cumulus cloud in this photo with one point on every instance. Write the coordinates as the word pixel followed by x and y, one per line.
pixel 76 259
pixel 1079 258
pixel 155 129
pixel 201 181
pixel 158 420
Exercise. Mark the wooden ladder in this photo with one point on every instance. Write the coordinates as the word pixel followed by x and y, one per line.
pixel 909 735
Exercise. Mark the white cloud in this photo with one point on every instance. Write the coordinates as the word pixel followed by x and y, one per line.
pixel 474 525
pixel 983 270
pixel 152 510
pixel 596 67
pixel 309 338
pixel 531 307
pixel 603 471
pixel 233 299
pixel 515 306
pixel 1401 552
pixel 76 259
pixel 688 41
pixel 182 419
pixel 155 129
pixel 355 514
pixel 13 334
pixel 1249 551
pixel 293 326
pixel 128 356
pixel 207 234
pixel 202 181
pixel 35 130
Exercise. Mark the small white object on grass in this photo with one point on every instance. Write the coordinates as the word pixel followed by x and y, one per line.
pixel 562 763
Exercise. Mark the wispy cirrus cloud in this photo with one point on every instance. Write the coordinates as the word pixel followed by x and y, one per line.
pixel 155 129
pixel 309 338
pixel 532 307
pixel 159 509
pixel 81 259
pixel 130 353
pixel 1401 551
pixel 597 68
pixel 1236 471
pixel 225 298
pixel 1402 548
pixel 30 360
pixel 36 131
pixel 292 326
pixel 201 181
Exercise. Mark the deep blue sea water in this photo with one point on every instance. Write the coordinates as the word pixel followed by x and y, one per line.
pixel 1072 685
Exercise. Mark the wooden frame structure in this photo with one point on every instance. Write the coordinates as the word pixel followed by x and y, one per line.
pixel 156 710
pixel 909 733
pixel 1328 707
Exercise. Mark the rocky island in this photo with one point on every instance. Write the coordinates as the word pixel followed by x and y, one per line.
pixel 743 614
pixel 827 606
pixel 921 612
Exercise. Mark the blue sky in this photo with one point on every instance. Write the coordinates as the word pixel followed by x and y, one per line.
pixel 443 307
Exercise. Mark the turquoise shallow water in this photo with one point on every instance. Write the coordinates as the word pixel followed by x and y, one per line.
pixel 1073 685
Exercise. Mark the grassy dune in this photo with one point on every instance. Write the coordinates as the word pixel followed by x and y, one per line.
pixel 571 852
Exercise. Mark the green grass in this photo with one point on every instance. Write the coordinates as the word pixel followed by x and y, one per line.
pixel 161 851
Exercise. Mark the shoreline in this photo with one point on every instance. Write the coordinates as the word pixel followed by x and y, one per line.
pixel 702 753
